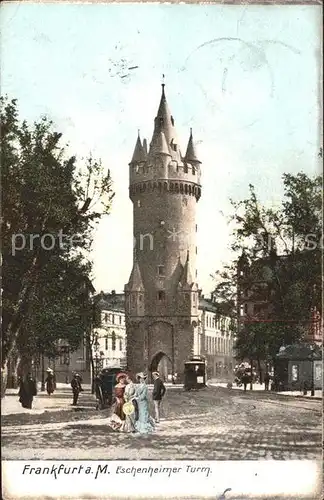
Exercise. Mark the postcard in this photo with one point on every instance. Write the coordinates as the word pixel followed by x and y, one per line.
pixel 162 246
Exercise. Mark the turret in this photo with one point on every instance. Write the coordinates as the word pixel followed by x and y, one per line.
pixel 188 289
pixel 139 155
pixel 134 292
pixel 191 154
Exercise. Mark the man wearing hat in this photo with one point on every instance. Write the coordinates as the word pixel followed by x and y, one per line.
pixel 158 393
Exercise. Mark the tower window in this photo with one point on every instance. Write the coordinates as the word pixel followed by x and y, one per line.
pixel 139 204
pixel 193 171
pixel 185 169
pixel 106 344
pixel 161 295
pixel 161 271
pixel 172 121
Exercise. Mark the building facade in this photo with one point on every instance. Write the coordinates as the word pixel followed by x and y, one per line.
pixel 215 339
pixel 161 297
pixel 109 350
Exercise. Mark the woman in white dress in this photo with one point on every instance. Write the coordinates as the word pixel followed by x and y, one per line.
pixel 129 394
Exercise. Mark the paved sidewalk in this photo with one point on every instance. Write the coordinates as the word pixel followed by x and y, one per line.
pixel 260 388
pixel 59 401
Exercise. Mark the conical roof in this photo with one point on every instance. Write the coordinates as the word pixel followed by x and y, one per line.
pixel 159 144
pixel 191 154
pixel 139 152
pixel 164 122
pixel 135 283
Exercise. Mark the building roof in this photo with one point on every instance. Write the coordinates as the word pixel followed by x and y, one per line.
pixel 207 305
pixel 111 301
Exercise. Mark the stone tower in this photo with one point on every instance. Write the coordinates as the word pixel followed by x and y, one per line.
pixel 162 293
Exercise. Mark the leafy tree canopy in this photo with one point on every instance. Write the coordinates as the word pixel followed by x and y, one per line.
pixel 51 203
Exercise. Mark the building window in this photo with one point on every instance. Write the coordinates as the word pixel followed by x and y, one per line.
pixel 106 344
pixel 161 271
pixel 113 341
pixel 139 204
pixel 120 345
pixel 245 308
pixel 161 295
pixel 113 319
pixel 120 320
pixel 106 318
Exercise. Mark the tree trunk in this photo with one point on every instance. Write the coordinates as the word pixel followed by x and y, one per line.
pixel 260 371
pixel 4 379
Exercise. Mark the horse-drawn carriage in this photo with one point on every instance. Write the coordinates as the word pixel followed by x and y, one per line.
pixel 104 387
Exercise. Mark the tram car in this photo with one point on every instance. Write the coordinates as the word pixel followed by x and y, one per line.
pixel 195 373
pixel 104 387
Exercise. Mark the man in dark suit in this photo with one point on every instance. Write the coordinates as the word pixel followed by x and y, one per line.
pixel 158 393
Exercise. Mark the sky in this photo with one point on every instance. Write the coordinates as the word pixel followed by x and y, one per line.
pixel 245 78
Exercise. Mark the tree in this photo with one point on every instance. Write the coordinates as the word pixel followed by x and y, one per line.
pixel 50 207
pixel 286 242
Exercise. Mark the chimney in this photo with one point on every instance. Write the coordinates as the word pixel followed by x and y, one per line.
pixel 113 292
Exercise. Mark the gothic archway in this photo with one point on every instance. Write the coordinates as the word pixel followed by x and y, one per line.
pixel 162 363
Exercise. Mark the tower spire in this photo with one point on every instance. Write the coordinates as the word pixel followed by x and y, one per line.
pixel 164 122
pixel 139 154
pixel 191 154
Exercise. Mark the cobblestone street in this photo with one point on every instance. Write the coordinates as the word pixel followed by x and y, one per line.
pixel 213 424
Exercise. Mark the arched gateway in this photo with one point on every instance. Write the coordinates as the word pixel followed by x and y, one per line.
pixel 163 364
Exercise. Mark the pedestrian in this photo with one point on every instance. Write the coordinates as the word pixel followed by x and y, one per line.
pixel 266 381
pixel 246 378
pixel 144 424
pixel 50 381
pixel 130 414
pixel 27 391
pixel 158 394
pixel 76 388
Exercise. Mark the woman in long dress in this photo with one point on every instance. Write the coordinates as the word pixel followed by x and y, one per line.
pixel 129 394
pixel 118 417
pixel 145 423
pixel 50 382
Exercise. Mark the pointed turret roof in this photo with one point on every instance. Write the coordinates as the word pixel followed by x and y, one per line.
pixel 159 144
pixel 191 154
pixel 135 283
pixel 164 122
pixel 139 152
